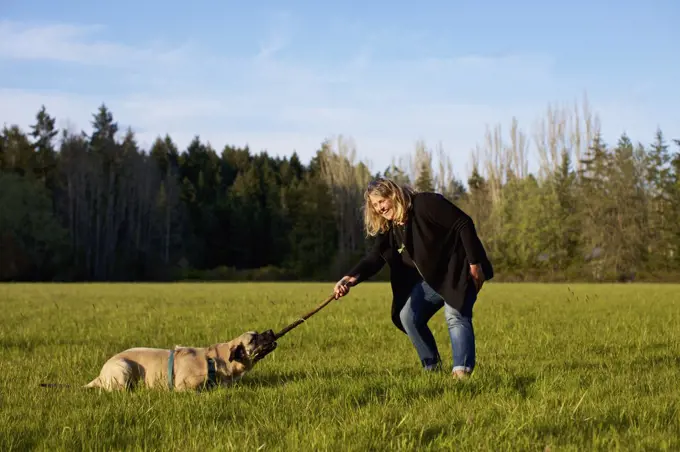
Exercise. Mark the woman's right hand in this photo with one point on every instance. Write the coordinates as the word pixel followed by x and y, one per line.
pixel 342 287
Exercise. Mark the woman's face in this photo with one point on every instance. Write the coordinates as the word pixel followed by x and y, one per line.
pixel 382 206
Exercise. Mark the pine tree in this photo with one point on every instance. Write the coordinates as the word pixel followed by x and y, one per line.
pixel 43 133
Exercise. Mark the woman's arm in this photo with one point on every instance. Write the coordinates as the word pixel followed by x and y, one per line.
pixel 372 263
pixel 443 212
pixel 367 267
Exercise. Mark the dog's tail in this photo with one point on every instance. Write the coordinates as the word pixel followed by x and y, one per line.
pixel 55 385
pixel 93 384
pixel 96 383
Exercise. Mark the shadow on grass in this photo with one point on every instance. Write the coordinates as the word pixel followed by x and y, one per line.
pixel 647 360
pixel 375 386
pixel 520 385
pixel 366 387
pixel 278 378
pixel 433 433
pixel 21 438
pixel 570 429
pixel 665 359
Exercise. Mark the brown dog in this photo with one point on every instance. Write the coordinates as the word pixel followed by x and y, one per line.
pixel 184 368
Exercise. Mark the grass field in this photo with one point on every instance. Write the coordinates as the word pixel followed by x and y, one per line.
pixel 560 367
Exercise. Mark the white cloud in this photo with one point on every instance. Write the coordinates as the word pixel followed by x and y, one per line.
pixel 278 35
pixel 270 103
pixel 75 44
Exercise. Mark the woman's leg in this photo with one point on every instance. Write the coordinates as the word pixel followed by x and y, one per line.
pixel 419 308
pixel 462 335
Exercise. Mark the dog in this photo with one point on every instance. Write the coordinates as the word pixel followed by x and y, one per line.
pixel 184 368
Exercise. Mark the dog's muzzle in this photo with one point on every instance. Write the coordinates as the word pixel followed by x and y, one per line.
pixel 265 343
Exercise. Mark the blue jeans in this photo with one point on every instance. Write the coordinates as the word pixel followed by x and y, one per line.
pixel 422 304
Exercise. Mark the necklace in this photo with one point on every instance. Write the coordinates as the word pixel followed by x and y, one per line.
pixel 399 235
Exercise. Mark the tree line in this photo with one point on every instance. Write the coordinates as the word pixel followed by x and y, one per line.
pixel 79 207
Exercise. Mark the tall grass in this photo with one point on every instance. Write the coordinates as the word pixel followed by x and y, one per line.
pixel 562 367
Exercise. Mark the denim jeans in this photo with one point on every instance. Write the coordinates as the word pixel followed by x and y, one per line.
pixel 422 304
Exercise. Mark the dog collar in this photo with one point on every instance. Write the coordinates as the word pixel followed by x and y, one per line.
pixel 171 368
pixel 211 381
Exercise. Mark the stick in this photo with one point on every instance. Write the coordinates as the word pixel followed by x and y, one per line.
pixel 304 317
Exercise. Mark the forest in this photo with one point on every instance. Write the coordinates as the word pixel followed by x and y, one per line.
pixel 95 207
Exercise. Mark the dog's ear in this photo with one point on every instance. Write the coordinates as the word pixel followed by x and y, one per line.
pixel 238 353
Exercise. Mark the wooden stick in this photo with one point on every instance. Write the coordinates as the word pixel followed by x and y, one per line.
pixel 303 318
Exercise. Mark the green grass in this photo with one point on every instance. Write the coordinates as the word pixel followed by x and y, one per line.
pixel 564 367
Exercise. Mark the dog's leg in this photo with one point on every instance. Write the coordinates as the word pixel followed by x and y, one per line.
pixel 115 375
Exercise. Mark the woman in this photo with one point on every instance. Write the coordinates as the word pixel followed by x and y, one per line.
pixel 435 260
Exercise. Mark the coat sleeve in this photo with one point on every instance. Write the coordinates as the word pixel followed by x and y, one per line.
pixel 372 263
pixel 443 212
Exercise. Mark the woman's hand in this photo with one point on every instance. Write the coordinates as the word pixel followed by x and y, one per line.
pixel 477 276
pixel 342 287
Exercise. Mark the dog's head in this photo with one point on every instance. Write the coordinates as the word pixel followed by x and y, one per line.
pixel 250 347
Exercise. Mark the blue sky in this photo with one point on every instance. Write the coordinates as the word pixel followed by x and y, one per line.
pixel 284 76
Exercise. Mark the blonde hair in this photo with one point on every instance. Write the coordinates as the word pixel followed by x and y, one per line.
pixel 400 195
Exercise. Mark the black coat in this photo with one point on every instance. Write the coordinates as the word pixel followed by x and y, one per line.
pixel 443 243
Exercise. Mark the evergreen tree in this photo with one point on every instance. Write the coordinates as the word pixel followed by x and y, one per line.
pixel 43 133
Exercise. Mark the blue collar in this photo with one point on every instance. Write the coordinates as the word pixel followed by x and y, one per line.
pixel 211 382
